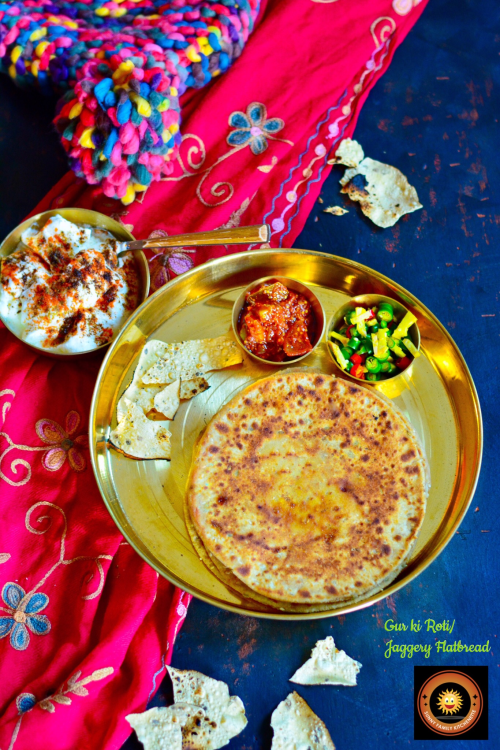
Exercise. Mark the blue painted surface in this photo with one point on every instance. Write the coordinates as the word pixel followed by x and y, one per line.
pixel 435 116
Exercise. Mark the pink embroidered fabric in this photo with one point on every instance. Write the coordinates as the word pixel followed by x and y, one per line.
pixel 86 627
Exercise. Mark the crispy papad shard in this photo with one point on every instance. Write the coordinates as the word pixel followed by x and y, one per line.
pixel 189 359
pixel 139 437
pixel 191 388
pixel 136 391
pixel 329 494
pixel 327 666
pixel 335 210
pixel 296 727
pixel 159 728
pixel 167 401
pixel 349 153
pixel 383 191
pixel 225 714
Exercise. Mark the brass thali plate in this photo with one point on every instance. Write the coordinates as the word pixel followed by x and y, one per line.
pixel 145 498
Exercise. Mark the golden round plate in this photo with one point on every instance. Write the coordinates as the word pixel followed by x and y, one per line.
pixel 145 498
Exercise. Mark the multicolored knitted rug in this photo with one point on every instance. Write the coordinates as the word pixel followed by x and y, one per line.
pixel 122 65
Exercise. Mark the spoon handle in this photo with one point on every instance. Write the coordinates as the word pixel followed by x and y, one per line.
pixel 232 236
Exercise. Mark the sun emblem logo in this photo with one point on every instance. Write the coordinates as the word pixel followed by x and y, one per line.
pixel 449 701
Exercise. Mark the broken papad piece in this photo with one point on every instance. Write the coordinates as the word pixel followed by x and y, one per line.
pixel 167 401
pixel 139 437
pixel 383 191
pixel 191 388
pixel 349 153
pixel 296 727
pixel 159 728
pixel 137 392
pixel 225 713
pixel 335 210
pixel 327 666
pixel 189 359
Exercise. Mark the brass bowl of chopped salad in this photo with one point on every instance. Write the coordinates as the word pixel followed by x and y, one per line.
pixel 373 339
pixel 63 290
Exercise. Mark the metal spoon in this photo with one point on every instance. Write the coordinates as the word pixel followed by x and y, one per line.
pixel 233 236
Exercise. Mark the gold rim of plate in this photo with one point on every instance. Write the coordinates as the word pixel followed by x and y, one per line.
pixel 145 498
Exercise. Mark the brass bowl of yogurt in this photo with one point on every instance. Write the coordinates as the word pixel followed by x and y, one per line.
pixel 83 218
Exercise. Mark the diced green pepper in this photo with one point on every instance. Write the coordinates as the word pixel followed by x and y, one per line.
pixel 388 367
pixel 372 364
pixel 346 352
pixel 354 343
pixel 366 347
pixel 372 377
pixel 385 312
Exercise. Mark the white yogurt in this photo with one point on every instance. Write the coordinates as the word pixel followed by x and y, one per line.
pixel 63 288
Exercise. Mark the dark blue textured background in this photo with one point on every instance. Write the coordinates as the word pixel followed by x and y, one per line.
pixel 435 116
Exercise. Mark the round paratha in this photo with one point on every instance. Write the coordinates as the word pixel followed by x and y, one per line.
pixel 308 489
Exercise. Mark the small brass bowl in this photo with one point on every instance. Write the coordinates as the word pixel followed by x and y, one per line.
pixel 372 300
pixel 93 219
pixel 296 286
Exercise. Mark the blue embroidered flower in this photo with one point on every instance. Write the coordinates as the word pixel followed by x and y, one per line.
pixel 25 702
pixel 253 128
pixel 22 613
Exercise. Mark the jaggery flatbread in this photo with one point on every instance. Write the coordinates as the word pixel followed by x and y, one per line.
pixel 308 489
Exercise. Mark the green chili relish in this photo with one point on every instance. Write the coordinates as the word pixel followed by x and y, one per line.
pixel 371 344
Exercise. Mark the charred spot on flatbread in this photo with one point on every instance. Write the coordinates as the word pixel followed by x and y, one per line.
pixel 192 387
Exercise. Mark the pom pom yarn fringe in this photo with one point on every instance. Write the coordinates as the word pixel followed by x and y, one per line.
pixel 122 65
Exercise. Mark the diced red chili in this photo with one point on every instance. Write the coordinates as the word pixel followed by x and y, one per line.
pixel 358 372
pixel 403 363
